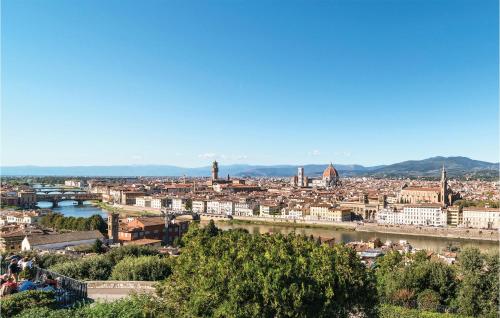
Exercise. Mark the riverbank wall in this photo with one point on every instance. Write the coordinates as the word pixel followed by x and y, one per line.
pixel 443 232
pixel 293 223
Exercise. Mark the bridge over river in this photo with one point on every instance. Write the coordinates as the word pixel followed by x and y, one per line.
pixel 79 197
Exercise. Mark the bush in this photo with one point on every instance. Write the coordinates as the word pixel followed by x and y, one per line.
pixel 428 300
pixel 90 268
pixel 117 254
pixel 143 268
pixel 13 304
pixel 44 312
pixel 389 311
pixel 135 306
pixel 51 259
pixel 99 267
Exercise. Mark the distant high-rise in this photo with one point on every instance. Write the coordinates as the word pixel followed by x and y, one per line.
pixel 215 170
pixel 300 177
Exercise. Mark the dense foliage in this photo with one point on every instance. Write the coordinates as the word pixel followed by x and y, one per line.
pixel 135 306
pixel 143 268
pixel 15 303
pixel 416 281
pixel 100 267
pixel 389 311
pixel 60 222
pixel 236 274
pixel 477 203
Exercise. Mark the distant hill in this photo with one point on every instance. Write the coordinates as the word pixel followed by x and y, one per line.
pixel 456 167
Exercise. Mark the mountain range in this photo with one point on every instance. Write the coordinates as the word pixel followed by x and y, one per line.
pixel 456 167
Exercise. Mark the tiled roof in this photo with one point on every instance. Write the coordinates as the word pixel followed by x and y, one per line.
pixel 65 237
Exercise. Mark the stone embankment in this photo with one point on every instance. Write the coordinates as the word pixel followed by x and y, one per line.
pixel 444 232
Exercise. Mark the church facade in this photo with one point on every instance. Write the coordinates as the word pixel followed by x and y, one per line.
pixel 442 195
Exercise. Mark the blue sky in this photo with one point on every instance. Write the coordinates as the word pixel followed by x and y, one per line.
pixel 261 82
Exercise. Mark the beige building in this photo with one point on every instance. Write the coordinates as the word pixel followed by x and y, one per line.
pixel 329 213
pixel 481 218
pixel 269 209
pixel 454 215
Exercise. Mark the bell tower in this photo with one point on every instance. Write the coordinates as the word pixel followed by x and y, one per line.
pixel 444 187
pixel 215 170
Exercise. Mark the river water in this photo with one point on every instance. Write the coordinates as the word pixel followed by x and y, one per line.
pixel 430 243
pixel 69 208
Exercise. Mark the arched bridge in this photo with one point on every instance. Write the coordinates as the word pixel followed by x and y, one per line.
pixel 55 198
pixel 61 191
pixel 172 214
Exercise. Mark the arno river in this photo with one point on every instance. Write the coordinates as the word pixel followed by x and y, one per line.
pixel 429 243
pixel 69 208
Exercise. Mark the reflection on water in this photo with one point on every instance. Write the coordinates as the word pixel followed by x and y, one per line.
pixel 420 242
pixel 70 208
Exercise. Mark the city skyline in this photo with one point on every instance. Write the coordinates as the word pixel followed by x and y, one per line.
pixel 361 82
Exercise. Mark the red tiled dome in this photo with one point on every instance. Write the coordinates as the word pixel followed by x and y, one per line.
pixel 330 172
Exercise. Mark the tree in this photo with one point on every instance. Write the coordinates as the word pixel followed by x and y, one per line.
pixel 479 284
pixel 237 274
pixel 211 229
pixel 97 246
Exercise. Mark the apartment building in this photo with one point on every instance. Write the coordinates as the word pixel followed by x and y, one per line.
pixel 481 218
pixel 199 206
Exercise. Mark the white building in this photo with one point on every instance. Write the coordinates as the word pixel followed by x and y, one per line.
pixel 245 208
pixel 60 241
pixel 179 204
pixel 292 213
pixel 158 203
pixel 423 215
pixel 199 206
pixel 226 207
pixel 389 216
pixel 144 202
pixel 481 218
pixel 21 218
pixel 213 207
pixel 270 209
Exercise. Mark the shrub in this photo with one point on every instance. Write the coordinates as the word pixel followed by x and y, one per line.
pixel 389 311
pixel 91 268
pixel 44 312
pixel 144 268
pixel 117 254
pixel 428 300
pixel 13 304
pixel 136 306
pixel 99 267
pixel 51 259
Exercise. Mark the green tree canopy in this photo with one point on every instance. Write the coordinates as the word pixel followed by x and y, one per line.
pixel 237 274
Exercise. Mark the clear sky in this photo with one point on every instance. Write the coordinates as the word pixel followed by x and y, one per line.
pixel 263 82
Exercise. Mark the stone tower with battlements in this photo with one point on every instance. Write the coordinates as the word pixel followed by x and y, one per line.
pixel 215 170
